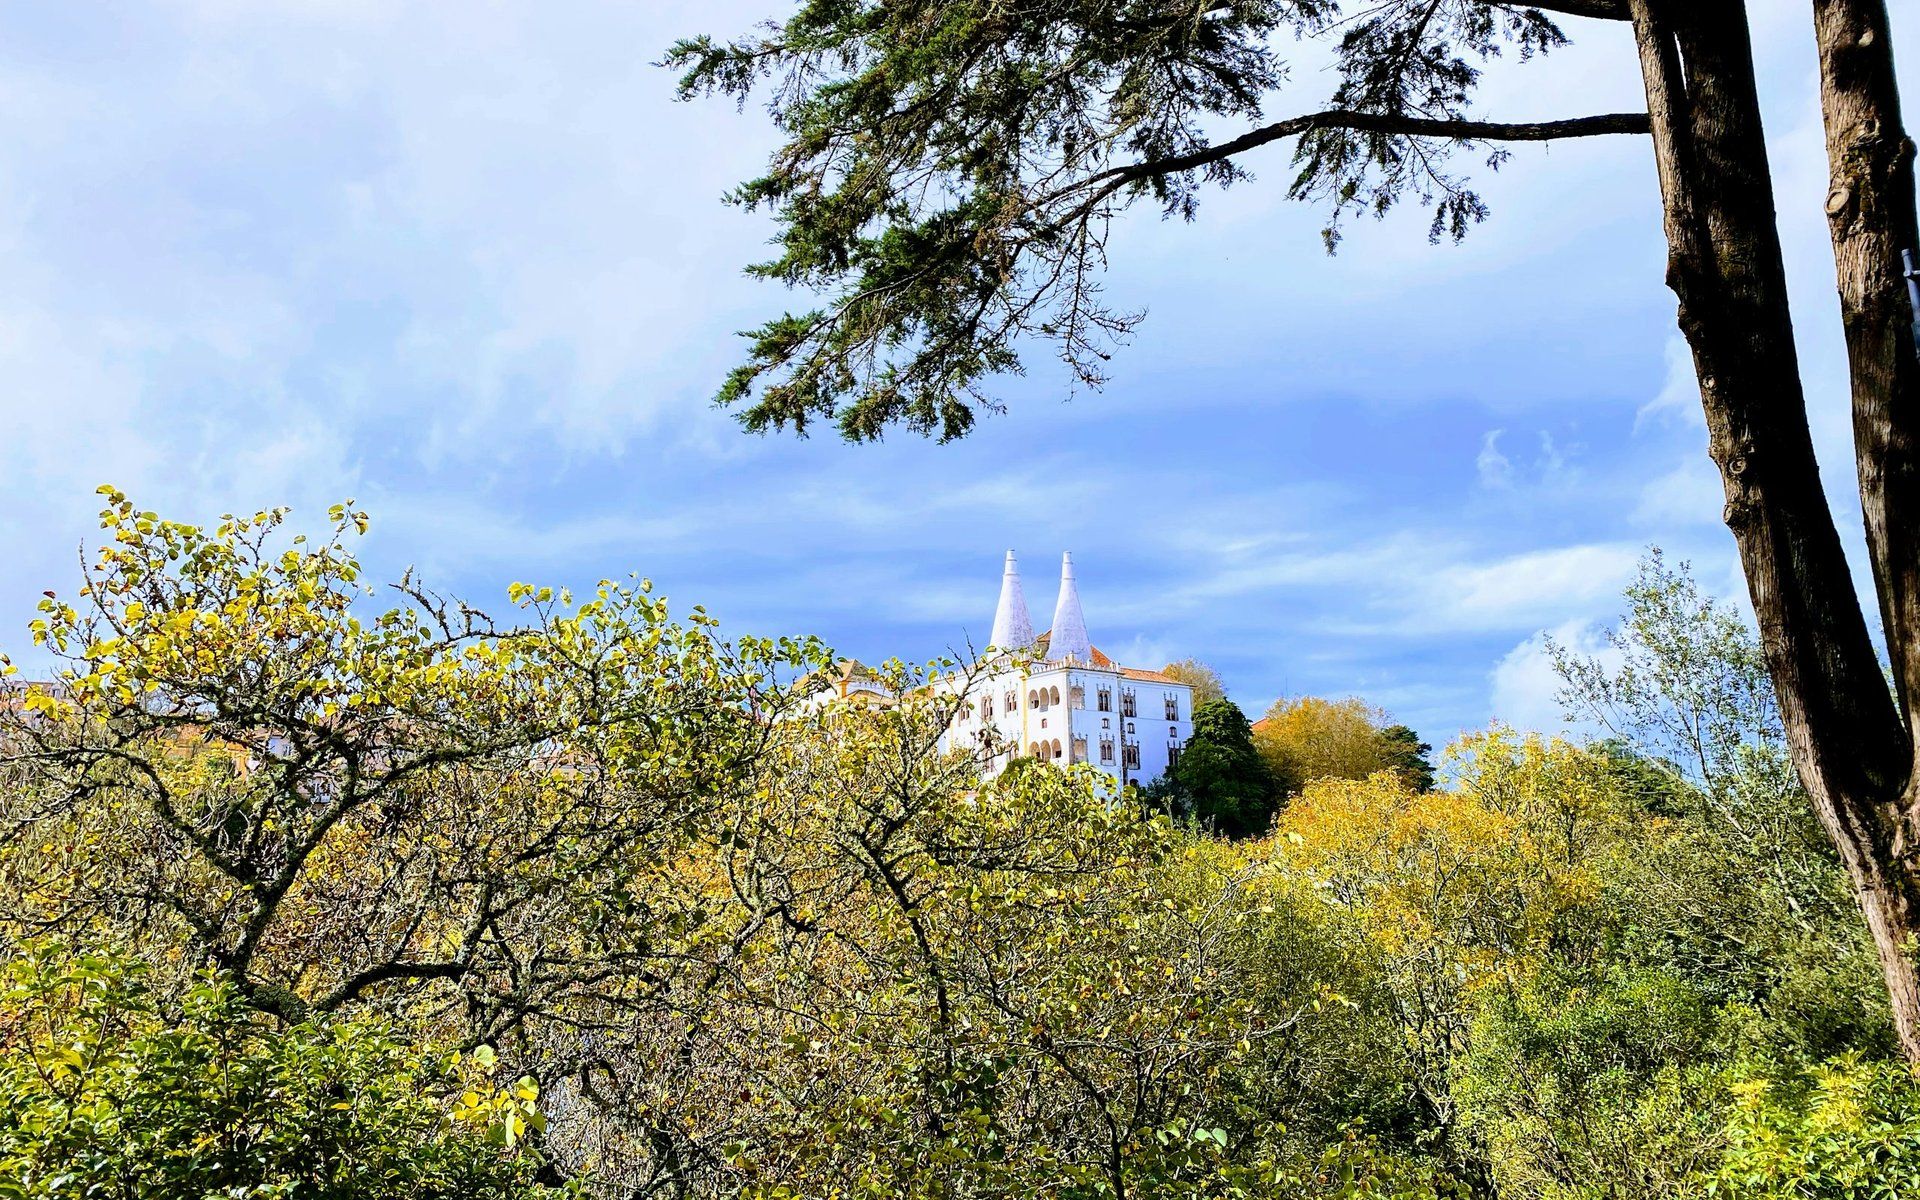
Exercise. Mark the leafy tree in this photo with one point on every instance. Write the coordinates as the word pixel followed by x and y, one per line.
pixel 1447 897
pixel 1221 779
pixel 951 171
pixel 429 801
pixel 107 1090
pixel 1309 738
pixel 1684 691
pixel 1608 1080
pixel 1203 679
pixel 1407 754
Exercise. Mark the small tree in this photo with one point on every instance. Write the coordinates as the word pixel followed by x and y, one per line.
pixel 1222 780
pixel 107 1088
pixel 1203 679
pixel 1407 754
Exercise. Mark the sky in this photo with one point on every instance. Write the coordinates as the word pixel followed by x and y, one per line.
pixel 470 268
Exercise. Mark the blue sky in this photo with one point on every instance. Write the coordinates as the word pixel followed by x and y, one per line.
pixel 471 269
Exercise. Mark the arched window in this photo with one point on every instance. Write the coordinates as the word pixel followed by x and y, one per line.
pixel 1056 696
pixel 1078 696
pixel 1033 699
pixel 986 707
pixel 1056 747
pixel 1033 750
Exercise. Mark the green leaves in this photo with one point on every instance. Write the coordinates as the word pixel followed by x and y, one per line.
pixel 106 1090
pixel 1221 779
pixel 1848 1129
pixel 952 169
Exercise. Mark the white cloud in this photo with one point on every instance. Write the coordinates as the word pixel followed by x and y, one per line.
pixel 1541 585
pixel 1525 687
pixel 1552 464
pixel 1678 399
pixel 1495 470
pixel 1688 495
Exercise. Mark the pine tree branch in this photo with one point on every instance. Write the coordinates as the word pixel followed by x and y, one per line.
pixel 1114 178
pixel 1599 10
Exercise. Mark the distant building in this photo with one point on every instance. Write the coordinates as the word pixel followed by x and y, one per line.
pixel 1057 698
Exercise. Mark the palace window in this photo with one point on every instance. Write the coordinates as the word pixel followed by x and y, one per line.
pixel 1106 699
pixel 1173 757
pixel 1133 756
pixel 1173 709
pixel 1079 696
pixel 1055 696
pixel 986 707
pixel 1106 749
pixel 1128 707
pixel 1056 747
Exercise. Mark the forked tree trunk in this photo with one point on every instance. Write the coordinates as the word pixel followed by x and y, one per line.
pixel 1849 741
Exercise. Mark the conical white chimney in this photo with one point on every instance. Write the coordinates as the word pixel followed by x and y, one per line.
pixel 1012 627
pixel 1069 637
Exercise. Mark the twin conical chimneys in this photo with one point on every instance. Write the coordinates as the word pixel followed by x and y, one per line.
pixel 1013 628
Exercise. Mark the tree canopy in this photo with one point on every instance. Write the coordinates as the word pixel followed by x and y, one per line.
pixel 592 903
pixel 1308 738
pixel 951 170
pixel 1220 779
pixel 1203 679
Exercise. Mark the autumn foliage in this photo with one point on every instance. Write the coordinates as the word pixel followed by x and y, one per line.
pixel 593 899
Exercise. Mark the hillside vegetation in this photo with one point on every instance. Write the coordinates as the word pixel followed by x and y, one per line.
pixel 309 896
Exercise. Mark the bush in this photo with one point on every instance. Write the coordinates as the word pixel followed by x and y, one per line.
pixel 1848 1129
pixel 102 1093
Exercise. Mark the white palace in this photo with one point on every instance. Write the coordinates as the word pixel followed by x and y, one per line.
pixel 1056 697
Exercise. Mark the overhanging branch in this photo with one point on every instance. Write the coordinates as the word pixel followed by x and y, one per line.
pixel 1459 131
pixel 1600 10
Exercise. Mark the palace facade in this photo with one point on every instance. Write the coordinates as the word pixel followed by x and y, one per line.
pixel 1056 697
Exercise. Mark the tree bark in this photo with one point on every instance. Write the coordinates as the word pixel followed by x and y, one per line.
pixel 1870 212
pixel 1849 742
pixel 1871 218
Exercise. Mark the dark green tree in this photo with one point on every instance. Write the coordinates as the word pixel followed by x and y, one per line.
pixel 1221 779
pixel 951 169
pixel 1408 755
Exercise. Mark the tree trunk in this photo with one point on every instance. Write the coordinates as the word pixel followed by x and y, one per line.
pixel 1871 217
pixel 1870 211
pixel 1724 263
